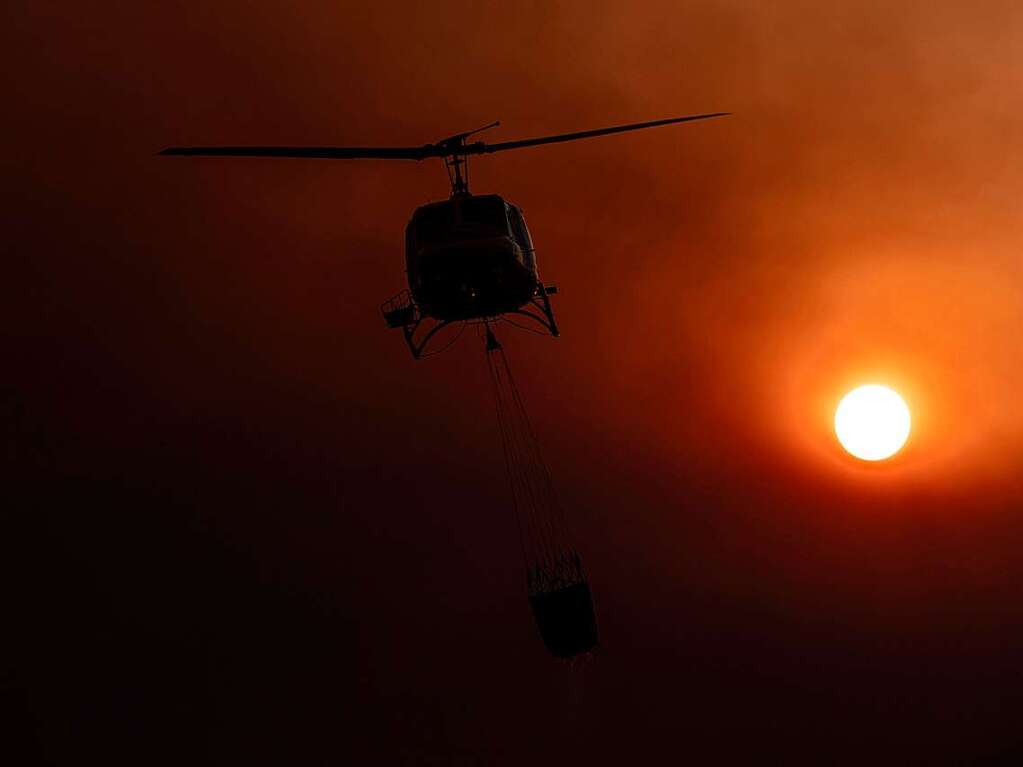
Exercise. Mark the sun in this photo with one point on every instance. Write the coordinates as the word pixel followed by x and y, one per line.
pixel 872 422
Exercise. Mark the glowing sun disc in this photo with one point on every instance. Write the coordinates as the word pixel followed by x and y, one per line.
pixel 872 422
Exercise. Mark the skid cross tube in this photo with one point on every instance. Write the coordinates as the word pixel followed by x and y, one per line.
pixel 401 311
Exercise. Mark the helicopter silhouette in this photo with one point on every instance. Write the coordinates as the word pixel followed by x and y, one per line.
pixel 468 258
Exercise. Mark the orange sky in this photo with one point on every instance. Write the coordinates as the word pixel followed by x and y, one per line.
pixel 722 284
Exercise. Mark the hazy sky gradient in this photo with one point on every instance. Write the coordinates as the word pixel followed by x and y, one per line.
pixel 200 342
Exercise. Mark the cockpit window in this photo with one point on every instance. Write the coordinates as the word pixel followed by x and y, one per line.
pixel 484 214
pixel 434 223
pixel 518 227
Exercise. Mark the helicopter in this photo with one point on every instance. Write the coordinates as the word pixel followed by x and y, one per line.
pixel 468 258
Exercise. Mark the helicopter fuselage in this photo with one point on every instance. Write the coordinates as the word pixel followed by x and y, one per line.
pixel 469 257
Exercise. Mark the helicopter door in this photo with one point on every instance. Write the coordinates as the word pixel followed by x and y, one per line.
pixel 521 235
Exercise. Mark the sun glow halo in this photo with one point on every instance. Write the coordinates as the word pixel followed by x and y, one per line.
pixel 872 422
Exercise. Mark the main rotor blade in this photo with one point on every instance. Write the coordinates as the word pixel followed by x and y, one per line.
pixel 487 148
pixel 445 148
pixel 318 152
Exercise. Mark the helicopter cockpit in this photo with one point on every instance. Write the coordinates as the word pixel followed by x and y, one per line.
pixel 469 256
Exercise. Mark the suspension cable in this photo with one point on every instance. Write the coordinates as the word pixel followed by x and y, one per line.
pixel 540 517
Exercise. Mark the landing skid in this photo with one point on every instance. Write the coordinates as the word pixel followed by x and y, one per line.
pixel 418 329
pixel 541 301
